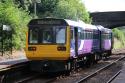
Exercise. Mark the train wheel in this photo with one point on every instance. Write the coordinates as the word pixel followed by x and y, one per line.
pixel 88 62
pixel 82 63
pixel 92 59
pixel 105 56
pixel 97 57
pixel 109 53
pixel 68 68
pixel 74 64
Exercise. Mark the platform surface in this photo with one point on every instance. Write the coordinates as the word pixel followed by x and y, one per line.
pixel 7 63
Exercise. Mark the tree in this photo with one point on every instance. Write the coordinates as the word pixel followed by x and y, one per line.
pixel 71 9
pixel 44 8
pixel 17 18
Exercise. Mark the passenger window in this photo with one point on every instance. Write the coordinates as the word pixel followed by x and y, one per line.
pixel 33 36
pixel 79 33
pixel 47 36
pixel 60 35
pixel 71 34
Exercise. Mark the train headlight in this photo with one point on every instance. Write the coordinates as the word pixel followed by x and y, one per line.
pixel 61 48
pixel 31 48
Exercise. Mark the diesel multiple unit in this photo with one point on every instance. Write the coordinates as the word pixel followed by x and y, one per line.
pixel 60 44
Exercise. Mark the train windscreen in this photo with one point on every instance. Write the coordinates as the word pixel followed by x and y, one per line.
pixel 47 34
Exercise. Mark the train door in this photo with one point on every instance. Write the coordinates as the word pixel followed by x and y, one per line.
pixel 76 40
pixel 100 40
pixel 112 40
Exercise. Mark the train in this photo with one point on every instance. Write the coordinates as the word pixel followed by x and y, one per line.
pixel 54 44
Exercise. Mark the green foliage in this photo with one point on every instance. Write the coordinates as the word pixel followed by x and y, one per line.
pixel 68 9
pixel 71 9
pixel 17 19
pixel 65 10
pixel 120 35
pixel 47 5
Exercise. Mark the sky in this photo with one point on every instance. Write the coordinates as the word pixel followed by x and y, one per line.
pixel 104 5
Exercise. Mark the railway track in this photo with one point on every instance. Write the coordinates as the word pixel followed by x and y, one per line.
pixel 113 77
pixel 98 73
pixel 12 72
pixel 35 79
pixel 20 73
pixel 11 68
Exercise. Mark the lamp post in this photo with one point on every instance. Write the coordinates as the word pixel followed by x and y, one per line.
pixel 34 9
pixel 35 3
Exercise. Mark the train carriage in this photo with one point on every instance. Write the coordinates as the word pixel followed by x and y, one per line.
pixel 107 41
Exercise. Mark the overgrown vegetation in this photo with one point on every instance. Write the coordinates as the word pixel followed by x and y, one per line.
pixel 119 35
pixel 17 19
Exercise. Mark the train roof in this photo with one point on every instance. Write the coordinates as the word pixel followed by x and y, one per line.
pixel 80 24
pixel 101 28
pixel 75 23
pixel 57 21
pixel 89 26
pixel 107 30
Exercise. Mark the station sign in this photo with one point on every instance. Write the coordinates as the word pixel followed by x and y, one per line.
pixel 6 28
pixel 36 1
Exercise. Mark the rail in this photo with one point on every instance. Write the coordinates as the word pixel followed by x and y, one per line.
pixel 96 72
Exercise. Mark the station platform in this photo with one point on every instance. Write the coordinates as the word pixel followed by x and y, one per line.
pixel 7 63
pixel 121 77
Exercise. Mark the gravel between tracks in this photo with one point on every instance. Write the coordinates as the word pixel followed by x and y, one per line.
pixel 105 75
pixel 74 77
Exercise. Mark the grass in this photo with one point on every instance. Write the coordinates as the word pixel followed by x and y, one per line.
pixel 117 44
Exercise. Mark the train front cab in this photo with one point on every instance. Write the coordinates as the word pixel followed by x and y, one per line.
pixel 46 54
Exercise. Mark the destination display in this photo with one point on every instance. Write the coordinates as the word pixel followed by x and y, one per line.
pixel 49 22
